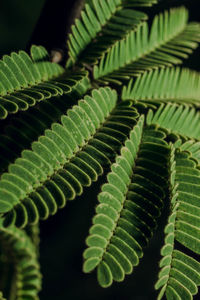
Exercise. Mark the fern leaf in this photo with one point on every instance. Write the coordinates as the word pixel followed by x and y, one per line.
pixel 169 41
pixel 165 85
pixel 26 80
pixel 26 127
pixel 33 231
pixel 21 254
pixel 67 158
pixel 177 118
pixel 129 3
pixel 179 276
pixel 193 148
pixel 102 23
pixel 130 203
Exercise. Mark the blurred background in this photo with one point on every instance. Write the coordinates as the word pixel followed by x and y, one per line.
pixel 44 22
pixel 17 22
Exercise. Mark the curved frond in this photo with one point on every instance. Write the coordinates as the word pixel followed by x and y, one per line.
pixel 164 85
pixel 26 80
pixel 129 205
pixel 20 254
pixel 33 231
pixel 179 276
pixel 26 127
pixel 102 23
pixel 129 3
pixel 68 157
pixel 179 119
pixel 144 137
pixel 193 148
pixel 170 40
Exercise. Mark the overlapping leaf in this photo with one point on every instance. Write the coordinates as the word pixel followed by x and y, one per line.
pixel 130 203
pixel 164 85
pixel 193 148
pixel 22 256
pixel 26 127
pixel 130 3
pixel 25 81
pixel 179 276
pixel 69 156
pixel 180 119
pixel 33 231
pixel 75 151
pixel 102 23
pixel 170 40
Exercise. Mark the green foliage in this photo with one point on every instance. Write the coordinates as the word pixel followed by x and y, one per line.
pixel 179 276
pixel 179 119
pixel 23 82
pixel 23 259
pixel 59 170
pixel 111 19
pixel 130 203
pixel 166 44
pixel 141 135
pixel 27 127
pixel 164 85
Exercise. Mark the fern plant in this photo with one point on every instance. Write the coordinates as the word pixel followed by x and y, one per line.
pixel 122 108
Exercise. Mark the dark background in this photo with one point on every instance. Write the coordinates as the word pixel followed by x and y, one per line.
pixel 23 23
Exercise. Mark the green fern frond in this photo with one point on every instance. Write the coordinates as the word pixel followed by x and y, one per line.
pixel 26 127
pixel 169 41
pixel 68 157
pixel 179 119
pixel 102 23
pixel 128 3
pixel 179 276
pixel 165 85
pixel 25 81
pixel 129 205
pixel 193 148
pixel 33 231
pixel 144 137
pixel 22 255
